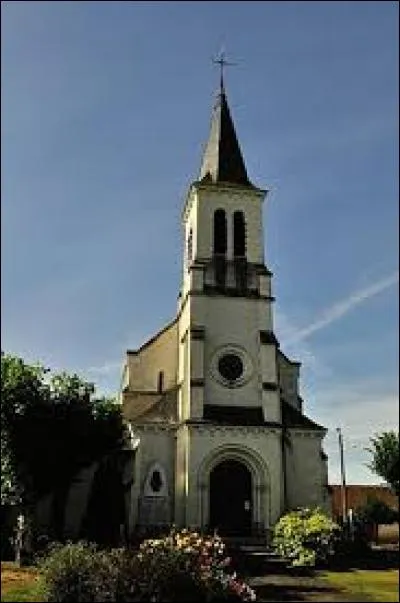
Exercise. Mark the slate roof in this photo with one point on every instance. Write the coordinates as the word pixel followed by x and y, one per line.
pixel 291 417
pixel 241 415
pixel 161 408
pixel 233 415
pixel 150 407
pixel 222 159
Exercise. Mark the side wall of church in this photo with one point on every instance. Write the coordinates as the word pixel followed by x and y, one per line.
pixel 288 379
pixel 157 446
pixel 306 471
pixel 184 361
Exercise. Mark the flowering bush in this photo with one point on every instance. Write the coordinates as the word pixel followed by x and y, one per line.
pixel 183 566
pixel 306 537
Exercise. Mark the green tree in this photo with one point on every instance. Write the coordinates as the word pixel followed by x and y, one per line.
pixel 385 458
pixel 52 426
pixel 9 484
pixel 22 388
pixel 82 429
pixel 377 512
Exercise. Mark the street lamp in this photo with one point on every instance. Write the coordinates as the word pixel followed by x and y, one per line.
pixel 343 475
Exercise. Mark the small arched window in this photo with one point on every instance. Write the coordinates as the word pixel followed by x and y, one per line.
pixel 156 481
pixel 160 382
pixel 239 235
pixel 220 232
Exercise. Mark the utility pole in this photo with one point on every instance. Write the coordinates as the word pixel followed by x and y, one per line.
pixel 343 476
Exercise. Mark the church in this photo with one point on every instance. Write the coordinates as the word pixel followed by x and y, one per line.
pixel 223 441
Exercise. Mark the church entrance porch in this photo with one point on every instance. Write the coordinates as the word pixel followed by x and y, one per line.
pixel 234 490
pixel 231 498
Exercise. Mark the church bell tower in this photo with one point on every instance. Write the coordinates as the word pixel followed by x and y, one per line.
pixel 227 359
pixel 224 443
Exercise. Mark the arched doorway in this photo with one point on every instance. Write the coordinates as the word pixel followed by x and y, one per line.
pixel 231 498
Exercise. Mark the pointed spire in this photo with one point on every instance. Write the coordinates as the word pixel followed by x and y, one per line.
pixel 222 159
pixel 221 81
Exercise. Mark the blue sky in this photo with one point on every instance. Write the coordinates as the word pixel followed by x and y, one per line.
pixel 105 108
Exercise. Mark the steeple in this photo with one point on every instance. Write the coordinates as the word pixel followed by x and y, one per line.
pixel 222 159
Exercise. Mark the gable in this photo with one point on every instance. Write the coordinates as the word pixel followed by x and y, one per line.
pixel 157 355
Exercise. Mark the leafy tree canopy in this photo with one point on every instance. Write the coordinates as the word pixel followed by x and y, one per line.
pixel 52 425
pixel 21 389
pixel 385 458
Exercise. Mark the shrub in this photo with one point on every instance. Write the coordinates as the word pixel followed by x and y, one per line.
pixel 351 546
pixel 182 566
pixel 77 572
pixel 124 580
pixel 306 537
pixel 377 512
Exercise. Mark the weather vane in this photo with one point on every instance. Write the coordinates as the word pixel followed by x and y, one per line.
pixel 222 62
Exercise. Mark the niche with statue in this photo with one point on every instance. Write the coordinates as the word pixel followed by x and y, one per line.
pixel 155 503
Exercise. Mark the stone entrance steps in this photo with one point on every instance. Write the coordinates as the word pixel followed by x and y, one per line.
pixel 252 555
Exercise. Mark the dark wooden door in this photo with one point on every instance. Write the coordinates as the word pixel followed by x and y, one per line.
pixel 230 498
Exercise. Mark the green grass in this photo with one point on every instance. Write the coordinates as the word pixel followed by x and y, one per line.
pixel 20 584
pixel 23 584
pixel 373 585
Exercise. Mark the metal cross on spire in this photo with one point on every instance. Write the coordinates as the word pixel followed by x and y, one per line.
pixel 222 62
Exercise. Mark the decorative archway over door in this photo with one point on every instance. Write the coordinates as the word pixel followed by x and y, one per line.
pixel 231 498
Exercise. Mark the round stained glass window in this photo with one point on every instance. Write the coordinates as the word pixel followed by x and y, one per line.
pixel 230 367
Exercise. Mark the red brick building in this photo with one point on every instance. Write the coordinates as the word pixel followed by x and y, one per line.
pixel 357 496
